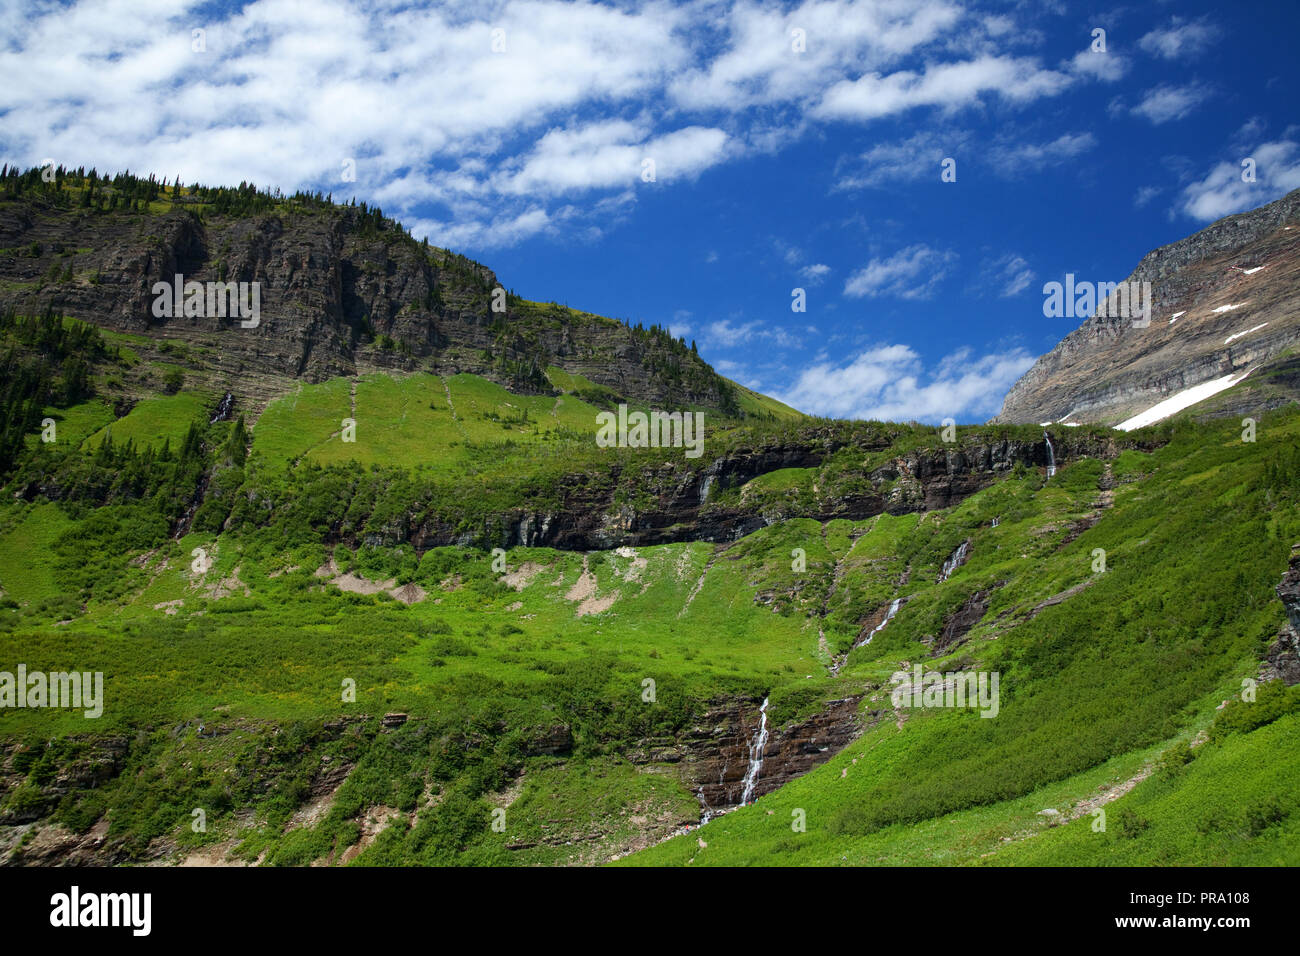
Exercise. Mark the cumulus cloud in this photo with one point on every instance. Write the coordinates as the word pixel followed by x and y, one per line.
pixel 911 273
pixel 1107 67
pixel 946 85
pixel 609 154
pixel 477 144
pixel 1222 191
pixel 890 383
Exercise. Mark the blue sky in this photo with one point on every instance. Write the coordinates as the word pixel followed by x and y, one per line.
pixel 795 145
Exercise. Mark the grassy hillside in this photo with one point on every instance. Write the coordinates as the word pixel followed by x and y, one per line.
pixel 255 614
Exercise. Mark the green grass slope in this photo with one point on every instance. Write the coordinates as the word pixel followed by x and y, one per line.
pixel 524 674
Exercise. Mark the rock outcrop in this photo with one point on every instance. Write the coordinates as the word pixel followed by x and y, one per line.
pixel 338 296
pixel 678 509
pixel 1225 301
pixel 1283 656
pixel 715 750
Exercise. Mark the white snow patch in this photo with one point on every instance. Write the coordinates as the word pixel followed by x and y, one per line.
pixel 1176 316
pixel 1251 272
pixel 1184 399
pixel 1045 424
pixel 1237 335
pixel 1071 424
pixel 1228 308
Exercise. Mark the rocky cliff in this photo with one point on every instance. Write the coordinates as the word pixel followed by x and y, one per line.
pixel 716 750
pixel 1283 656
pixel 342 291
pixel 676 500
pixel 1225 301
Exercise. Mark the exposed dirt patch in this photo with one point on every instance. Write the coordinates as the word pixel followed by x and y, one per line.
pixel 219 854
pixel 375 822
pixel 523 575
pixel 228 586
pixel 409 593
pixel 597 605
pixel 584 587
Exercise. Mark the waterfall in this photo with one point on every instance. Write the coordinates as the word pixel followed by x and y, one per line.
pixel 223 409
pixel 995 522
pixel 755 756
pixel 1051 457
pixel 889 616
pixel 954 561
pixel 704 488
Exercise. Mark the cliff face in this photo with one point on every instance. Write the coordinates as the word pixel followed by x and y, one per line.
pixel 589 517
pixel 716 750
pixel 1283 656
pixel 338 296
pixel 1225 301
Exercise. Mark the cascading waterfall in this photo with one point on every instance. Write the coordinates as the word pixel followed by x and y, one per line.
pixel 889 616
pixel 704 488
pixel 755 756
pixel 1051 457
pixel 223 409
pixel 954 561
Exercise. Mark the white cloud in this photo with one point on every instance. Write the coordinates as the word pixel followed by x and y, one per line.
pixel 889 382
pixel 680 326
pixel 946 85
pixel 758 64
pixel 1145 194
pixel 1180 40
pixel 1167 102
pixel 1222 192
pixel 908 160
pixel 1107 67
pixel 815 273
pixel 726 334
pixel 910 273
pixel 1013 159
pixel 1013 273
pixel 480 148
pixel 612 154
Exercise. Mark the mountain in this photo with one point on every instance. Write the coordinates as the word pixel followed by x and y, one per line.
pixel 1225 309
pixel 360 585
pixel 343 291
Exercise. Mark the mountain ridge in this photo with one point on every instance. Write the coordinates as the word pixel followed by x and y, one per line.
pixel 344 290
pixel 1223 302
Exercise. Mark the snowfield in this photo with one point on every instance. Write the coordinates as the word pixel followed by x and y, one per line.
pixel 1184 399
pixel 1237 335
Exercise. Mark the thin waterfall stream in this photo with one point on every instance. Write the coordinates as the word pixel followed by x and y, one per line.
pixel 755 756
